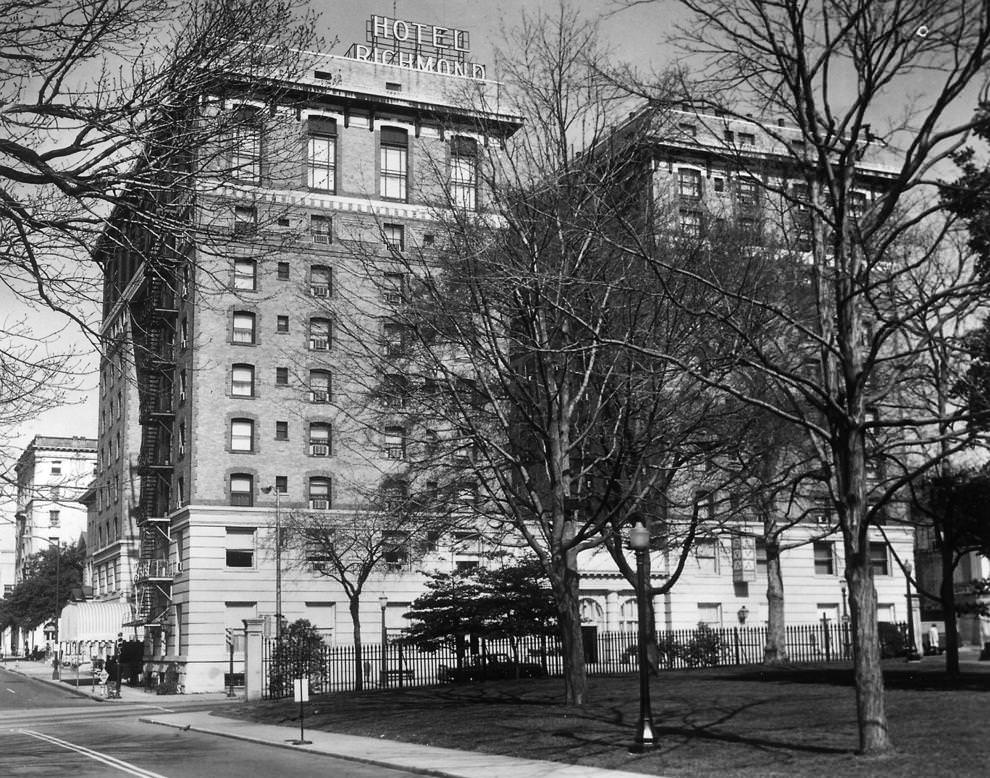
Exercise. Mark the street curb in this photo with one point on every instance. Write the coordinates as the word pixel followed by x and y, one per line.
pixel 288 746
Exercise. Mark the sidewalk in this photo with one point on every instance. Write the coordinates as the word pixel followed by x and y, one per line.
pixel 385 753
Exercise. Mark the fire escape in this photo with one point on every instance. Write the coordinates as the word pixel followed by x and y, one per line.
pixel 154 311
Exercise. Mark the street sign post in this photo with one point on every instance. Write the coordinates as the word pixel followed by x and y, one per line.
pixel 301 695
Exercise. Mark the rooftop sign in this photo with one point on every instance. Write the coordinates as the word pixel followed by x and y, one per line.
pixel 417 46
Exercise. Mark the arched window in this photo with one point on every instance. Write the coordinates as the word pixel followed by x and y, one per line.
pixel 592 613
pixel 319 281
pixel 319 334
pixel 242 489
pixel 319 386
pixel 242 380
pixel 241 435
pixel 244 327
pixel 319 439
pixel 628 615
pixel 319 493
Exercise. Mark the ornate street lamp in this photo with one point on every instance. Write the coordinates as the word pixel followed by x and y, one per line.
pixel 383 681
pixel 639 541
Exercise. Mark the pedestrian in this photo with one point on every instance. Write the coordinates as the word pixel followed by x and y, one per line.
pixel 113 678
pixel 933 638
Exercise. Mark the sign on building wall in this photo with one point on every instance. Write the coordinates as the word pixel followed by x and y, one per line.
pixel 743 559
pixel 417 46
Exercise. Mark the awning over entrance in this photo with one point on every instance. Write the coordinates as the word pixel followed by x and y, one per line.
pixel 94 620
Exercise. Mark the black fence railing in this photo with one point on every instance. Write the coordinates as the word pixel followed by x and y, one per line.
pixel 336 668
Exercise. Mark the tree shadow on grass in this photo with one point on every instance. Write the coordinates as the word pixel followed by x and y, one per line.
pixel 901 678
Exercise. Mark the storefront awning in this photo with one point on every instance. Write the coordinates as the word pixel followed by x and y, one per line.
pixel 92 620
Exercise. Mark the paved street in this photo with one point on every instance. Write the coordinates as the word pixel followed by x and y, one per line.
pixel 47 731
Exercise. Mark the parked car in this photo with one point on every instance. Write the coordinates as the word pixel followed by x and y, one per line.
pixel 491 667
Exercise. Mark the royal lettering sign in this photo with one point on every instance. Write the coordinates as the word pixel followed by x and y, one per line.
pixel 743 559
pixel 417 46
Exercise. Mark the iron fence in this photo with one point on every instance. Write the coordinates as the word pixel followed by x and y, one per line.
pixel 337 668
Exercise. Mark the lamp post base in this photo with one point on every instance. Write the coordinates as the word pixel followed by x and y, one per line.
pixel 645 738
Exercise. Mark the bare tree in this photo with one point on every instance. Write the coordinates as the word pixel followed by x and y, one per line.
pixel 868 263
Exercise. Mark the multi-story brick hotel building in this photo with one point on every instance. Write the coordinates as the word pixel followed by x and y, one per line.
pixel 221 395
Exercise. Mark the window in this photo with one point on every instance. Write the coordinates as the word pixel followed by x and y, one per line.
pixel 281 430
pixel 319 386
pixel 244 331
pixel 242 381
pixel 463 172
pixel 182 386
pixel 319 281
pixel 706 553
pixel 319 493
pixel 761 558
pixel 57 463
pixel 245 147
pixel 710 613
pixel 242 490
pixel 689 183
pixel 183 333
pixel 690 223
pixel 240 547
pixel 747 193
pixel 394 339
pixel 395 390
pixel 747 139
pixel 321 153
pixel 879 561
pixel 282 324
pixel 319 334
pixel 281 376
pixel 688 129
pixel 245 274
pixel 319 439
pixel 180 492
pixel 394 494
pixel 824 558
pixel 241 435
pixel 718 184
pixel 395 443
pixel 321 228
pixel 53 518
pixel 283 271
pixel 245 220
pixel 393 163
pixel 182 438
pixel 801 194
pixel 857 204
pixel 393 288
pixel 394 236
pixel 396 551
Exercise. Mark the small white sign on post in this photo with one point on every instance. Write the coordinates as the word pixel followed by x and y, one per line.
pixel 301 687
pixel 104 676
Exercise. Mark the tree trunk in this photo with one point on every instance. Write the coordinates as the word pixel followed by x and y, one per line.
pixel 870 703
pixel 947 592
pixel 775 650
pixel 565 591
pixel 355 607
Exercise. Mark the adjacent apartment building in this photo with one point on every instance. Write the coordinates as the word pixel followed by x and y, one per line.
pixel 52 474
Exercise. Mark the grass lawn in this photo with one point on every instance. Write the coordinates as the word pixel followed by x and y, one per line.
pixel 731 722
